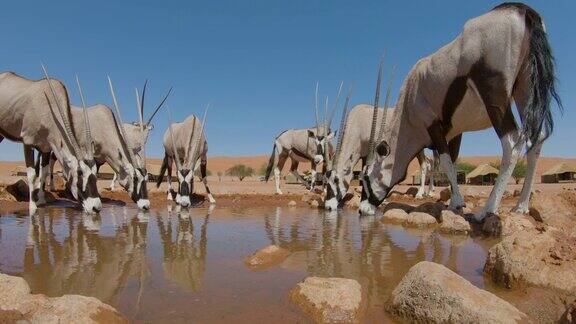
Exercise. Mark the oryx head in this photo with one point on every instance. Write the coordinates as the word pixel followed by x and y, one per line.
pixel 322 135
pixel 81 163
pixel 134 174
pixel 185 173
pixel 338 176
pixel 375 186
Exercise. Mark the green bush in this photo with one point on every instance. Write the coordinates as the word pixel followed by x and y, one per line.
pixel 241 171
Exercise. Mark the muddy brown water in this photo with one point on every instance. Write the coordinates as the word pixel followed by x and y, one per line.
pixel 188 267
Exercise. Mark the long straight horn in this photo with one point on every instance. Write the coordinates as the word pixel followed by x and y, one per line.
pixel 316 109
pixel 342 129
pixel 178 165
pixel 87 132
pixel 325 131
pixel 197 144
pixel 140 108
pixel 386 102
pixel 67 127
pixel 335 105
pixel 375 113
pixel 159 106
pixel 120 124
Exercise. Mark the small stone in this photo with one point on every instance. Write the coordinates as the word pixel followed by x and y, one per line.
pixel 569 316
pixel 292 203
pixel 453 224
pixel 420 220
pixel 354 202
pixel 329 300
pixel 505 224
pixel 395 215
pixel 517 193
pixel 266 257
pixel 314 203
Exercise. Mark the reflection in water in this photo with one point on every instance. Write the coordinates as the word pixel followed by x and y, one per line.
pixel 153 265
pixel 184 259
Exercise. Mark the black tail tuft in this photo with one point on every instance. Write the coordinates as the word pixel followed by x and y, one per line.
pixel 270 163
pixel 538 115
pixel 162 171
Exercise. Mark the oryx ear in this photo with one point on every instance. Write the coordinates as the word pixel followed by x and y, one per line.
pixel 311 133
pixel 150 126
pixel 383 149
pixel 331 136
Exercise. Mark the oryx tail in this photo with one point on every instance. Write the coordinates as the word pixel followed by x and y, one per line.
pixel 270 163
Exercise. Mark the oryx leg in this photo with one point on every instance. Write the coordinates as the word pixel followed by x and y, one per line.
pixel 434 169
pixel 31 176
pixel 313 175
pixel 113 182
pixel 203 164
pixel 294 171
pixel 282 156
pixel 523 204
pixel 436 133
pixel 423 168
pixel 51 170
pixel 44 159
pixel 363 195
pixel 499 110
pixel 169 177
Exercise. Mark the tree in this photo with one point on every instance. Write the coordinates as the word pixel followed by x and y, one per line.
pixel 219 174
pixel 241 171
pixel 465 167
pixel 519 171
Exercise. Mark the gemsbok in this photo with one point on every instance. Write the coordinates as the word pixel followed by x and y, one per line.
pixel 303 145
pixel 37 114
pixel 185 144
pixel 469 85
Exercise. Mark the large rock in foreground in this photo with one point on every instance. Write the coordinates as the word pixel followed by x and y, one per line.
pixel 432 293
pixel 16 303
pixel 266 257
pixel 453 223
pixel 329 300
pixel 420 220
pixel 545 258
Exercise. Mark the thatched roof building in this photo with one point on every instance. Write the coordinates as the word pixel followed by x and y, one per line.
pixel 484 174
pixel 562 171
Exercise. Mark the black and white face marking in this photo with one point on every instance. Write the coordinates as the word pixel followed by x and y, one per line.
pixel 185 187
pixel 336 190
pixel 139 188
pixel 372 183
pixel 87 187
pixel 320 142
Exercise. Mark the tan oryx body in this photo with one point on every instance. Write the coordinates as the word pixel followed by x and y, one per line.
pixel 469 85
pixel 36 113
pixel 355 147
pixel 300 145
pixel 185 144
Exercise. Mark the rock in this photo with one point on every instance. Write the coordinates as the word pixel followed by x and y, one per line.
pixel 434 209
pixel 569 316
pixel 506 224
pixel 453 224
pixel 19 304
pixel 314 203
pixel 432 293
pixel 517 193
pixel 5 195
pixel 329 300
pixel 19 190
pixel 445 195
pixel 266 257
pixel 419 219
pixel 395 215
pixel 543 258
pixel 292 203
pixel 305 198
pixel 412 191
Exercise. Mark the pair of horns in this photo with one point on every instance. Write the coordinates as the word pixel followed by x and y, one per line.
pixel 327 117
pixel 342 128
pixel 373 137
pixel 195 151
pixel 120 125
pixel 69 134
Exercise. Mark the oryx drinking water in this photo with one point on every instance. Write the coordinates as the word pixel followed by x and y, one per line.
pixel 37 113
pixel 302 145
pixel 354 142
pixel 469 85
pixel 185 144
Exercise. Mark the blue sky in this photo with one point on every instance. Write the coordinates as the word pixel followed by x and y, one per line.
pixel 256 61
